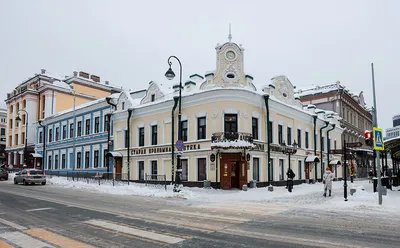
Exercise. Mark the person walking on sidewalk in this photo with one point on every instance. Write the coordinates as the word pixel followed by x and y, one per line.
pixel 327 181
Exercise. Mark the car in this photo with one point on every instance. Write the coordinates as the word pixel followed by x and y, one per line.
pixel 3 174
pixel 30 176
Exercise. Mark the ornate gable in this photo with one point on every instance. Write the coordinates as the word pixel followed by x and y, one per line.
pixel 153 93
pixel 124 102
pixel 283 90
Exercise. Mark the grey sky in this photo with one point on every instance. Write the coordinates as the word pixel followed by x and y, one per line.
pixel 128 42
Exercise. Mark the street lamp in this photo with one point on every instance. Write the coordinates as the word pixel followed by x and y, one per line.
pixel 289 150
pixel 171 75
pixel 26 133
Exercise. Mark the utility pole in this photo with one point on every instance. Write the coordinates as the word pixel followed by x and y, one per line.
pixel 378 165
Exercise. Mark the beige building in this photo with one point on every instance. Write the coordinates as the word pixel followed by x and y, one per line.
pixel 224 117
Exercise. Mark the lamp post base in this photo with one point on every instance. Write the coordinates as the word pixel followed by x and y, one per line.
pixel 270 188
pixel 178 188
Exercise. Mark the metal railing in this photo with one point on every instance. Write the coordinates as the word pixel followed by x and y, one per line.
pixel 231 136
pixel 155 180
pixel 92 177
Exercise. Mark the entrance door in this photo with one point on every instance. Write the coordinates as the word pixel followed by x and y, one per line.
pixel 235 174
pixel 118 168
pixel 307 169
pixel 226 175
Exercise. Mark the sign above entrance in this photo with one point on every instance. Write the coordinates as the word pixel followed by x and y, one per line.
pixel 163 149
pixel 378 139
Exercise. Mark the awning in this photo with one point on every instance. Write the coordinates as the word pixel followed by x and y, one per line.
pixel 334 162
pixel 114 155
pixel 36 155
pixel 311 159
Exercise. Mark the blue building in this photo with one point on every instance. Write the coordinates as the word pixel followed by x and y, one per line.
pixel 77 140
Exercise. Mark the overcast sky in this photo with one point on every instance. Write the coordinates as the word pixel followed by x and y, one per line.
pixel 128 42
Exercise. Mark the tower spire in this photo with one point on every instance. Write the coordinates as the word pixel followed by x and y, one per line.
pixel 230 33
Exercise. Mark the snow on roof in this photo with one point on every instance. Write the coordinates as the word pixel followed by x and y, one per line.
pixel 61 84
pixel 314 90
pixel 230 144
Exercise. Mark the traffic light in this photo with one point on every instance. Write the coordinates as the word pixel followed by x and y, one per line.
pixel 369 138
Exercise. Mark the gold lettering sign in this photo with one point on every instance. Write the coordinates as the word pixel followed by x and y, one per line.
pixel 163 149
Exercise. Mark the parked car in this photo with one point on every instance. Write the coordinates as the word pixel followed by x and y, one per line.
pixel 30 176
pixel 3 174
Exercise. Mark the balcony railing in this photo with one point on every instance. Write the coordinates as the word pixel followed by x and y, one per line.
pixel 232 140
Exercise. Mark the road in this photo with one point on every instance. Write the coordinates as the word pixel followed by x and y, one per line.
pixel 48 216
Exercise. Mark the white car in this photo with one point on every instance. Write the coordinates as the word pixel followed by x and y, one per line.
pixel 30 176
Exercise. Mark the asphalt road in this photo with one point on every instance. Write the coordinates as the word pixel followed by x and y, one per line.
pixel 48 216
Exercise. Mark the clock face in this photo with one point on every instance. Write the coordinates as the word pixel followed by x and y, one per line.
pixel 230 55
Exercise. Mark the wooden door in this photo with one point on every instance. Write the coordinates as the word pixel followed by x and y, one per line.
pixel 235 174
pixel 118 168
pixel 243 174
pixel 307 169
pixel 225 175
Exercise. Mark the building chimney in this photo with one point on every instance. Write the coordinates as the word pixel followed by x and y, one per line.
pixel 84 74
pixel 95 78
pixel 75 73
pixel 43 71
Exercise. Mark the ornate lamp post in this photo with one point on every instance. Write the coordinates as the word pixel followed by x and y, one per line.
pixel 289 150
pixel 171 75
pixel 26 133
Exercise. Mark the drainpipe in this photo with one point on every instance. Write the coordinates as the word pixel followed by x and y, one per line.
pixel 216 168
pixel 266 98
pixel 321 145
pixel 176 99
pixel 315 145
pixel 110 102
pixel 128 123
pixel 328 145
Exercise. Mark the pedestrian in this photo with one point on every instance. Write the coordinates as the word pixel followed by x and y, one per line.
pixel 327 181
pixel 370 175
pixel 290 175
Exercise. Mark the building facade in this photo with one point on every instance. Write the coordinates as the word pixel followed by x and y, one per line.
pixel 224 129
pixel 78 140
pixel 356 118
pixel 42 96
pixel 393 132
pixel 3 128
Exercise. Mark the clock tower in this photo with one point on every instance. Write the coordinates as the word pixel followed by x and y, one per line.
pixel 230 70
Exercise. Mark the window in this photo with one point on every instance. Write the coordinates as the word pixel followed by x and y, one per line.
pixel 79 129
pixel 126 138
pixel 106 159
pixel 281 170
pixel 280 134
pixel 71 130
pixel 154 135
pixel 22 138
pixel 96 159
pixel 96 124
pixel 50 135
pixel 299 138
pixel 184 176
pixel 289 135
pixel 57 133
pixel 16 139
pixel 256 169
pixel 184 129
pixel 201 169
pixel 64 134
pixel 63 161
pixel 299 169
pixel 41 137
pixel 141 136
pixel 154 169
pixel 123 105
pixel 56 162
pixel 153 97
pixel 78 160
pixel 105 128
pixel 141 170
pixel 10 140
pixel 201 128
pixel 230 123
pixel 10 123
pixel 49 163
pixel 254 128
pixel 322 143
pixel 334 144
pixel 271 132
pixel 87 127
pixel 87 156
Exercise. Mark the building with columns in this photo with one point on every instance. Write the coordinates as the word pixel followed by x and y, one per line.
pixel 233 130
pixel 42 96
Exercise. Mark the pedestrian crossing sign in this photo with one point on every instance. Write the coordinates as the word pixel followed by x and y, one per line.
pixel 378 139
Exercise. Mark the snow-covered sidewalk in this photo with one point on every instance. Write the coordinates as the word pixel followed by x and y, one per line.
pixel 304 195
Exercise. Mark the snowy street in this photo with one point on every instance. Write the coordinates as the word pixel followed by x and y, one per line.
pixel 139 216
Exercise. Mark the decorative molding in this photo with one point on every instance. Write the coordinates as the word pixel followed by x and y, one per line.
pixel 153 123
pixel 256 114
pixel 201 114
pixel 167 120
pixel 215 113
pixel 231 110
